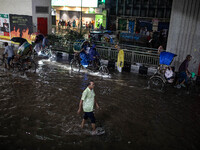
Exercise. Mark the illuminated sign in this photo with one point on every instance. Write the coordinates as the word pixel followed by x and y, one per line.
pixel 75 3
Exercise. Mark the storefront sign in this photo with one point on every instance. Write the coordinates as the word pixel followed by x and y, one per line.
pixel 91 10
pixel 98 20
pixel 122 24
pixel 75 3
pixel 98 10
pixel 21 26
pixel 131 26
pixel 4 27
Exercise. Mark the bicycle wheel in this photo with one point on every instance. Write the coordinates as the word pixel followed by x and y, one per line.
pixel 33 66
pixel 1 62
pixel 103 70
pixel 75 65
pixel 156 83
pixel 18 66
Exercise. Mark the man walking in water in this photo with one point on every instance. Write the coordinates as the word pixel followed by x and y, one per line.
pixel 87 102
pixel 8 50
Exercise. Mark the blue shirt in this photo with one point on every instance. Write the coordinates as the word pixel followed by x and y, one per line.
pixel 93 53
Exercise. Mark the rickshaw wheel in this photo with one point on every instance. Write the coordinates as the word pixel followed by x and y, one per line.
pixel 75 65
pixel 156 83
pixel 1 62
pixel 104 70
pixel 33 66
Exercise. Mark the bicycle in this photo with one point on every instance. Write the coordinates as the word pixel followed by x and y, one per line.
pixel 93 66
pixel 159 80
pixel 191 86
pixel 24 64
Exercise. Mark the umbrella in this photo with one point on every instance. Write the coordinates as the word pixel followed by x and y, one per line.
pixel 40 36
pixel 19 40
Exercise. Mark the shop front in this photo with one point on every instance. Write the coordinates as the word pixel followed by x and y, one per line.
pixel 69 14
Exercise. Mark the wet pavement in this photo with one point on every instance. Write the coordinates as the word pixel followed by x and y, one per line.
pixel 39 111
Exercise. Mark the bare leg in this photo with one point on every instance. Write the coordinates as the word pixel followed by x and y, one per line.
pixel 183 82
pixel 93 127
pixel 82 123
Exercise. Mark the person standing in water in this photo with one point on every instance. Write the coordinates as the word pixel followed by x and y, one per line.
pixel 8 50
pixel 87 103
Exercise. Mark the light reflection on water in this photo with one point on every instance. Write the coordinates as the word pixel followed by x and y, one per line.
pixel 40 109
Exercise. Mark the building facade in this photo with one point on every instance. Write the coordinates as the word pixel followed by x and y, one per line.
pixel 155 12
pixel 39 11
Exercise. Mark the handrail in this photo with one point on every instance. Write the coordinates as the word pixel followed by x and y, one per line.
pixel 131 57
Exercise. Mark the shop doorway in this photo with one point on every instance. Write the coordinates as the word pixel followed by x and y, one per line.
pixel 42 25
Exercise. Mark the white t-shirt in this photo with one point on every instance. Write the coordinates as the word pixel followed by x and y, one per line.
pixel 87 50
pixel 168 73
pixel 9 50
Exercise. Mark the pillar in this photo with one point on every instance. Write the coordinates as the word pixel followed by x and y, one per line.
pixel 184 32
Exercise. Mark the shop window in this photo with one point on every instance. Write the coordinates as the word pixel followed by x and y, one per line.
pixel 41 9
pixel 152 2
pixel 143 12
pixel 160 13
pixel 151 12
pixel 128 12
pixel 122 23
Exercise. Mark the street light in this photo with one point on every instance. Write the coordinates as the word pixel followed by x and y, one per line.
pixel 81 18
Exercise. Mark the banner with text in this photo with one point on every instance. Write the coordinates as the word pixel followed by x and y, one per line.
pixel 21 26
pixel 4 27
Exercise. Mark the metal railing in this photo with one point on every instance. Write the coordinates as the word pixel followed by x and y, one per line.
pixel 145 56
pixel 130 56
pixel 68 48
pixel 129 47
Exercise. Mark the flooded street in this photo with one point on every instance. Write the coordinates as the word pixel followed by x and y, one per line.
pixel 39 111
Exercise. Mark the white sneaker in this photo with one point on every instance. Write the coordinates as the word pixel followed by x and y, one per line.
pixel 183 85
pixel 178 86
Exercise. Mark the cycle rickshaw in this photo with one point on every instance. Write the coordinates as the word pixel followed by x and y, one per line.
pixel 23 61
pixel 77 63
pixel 160 78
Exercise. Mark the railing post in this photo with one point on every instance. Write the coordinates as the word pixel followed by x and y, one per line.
pixel 109 51
pixel 132 58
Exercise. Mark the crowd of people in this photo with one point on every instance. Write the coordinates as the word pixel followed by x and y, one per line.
pixel 76 23
pixel 154 38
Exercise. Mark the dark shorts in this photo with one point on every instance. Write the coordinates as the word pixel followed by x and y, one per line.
pixel 89 115
pixel 9 59
pixel 183 76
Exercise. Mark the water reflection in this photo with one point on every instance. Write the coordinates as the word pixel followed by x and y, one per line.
pixel 40 110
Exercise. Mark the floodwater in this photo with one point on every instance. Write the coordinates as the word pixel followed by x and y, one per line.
pixel 39 111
